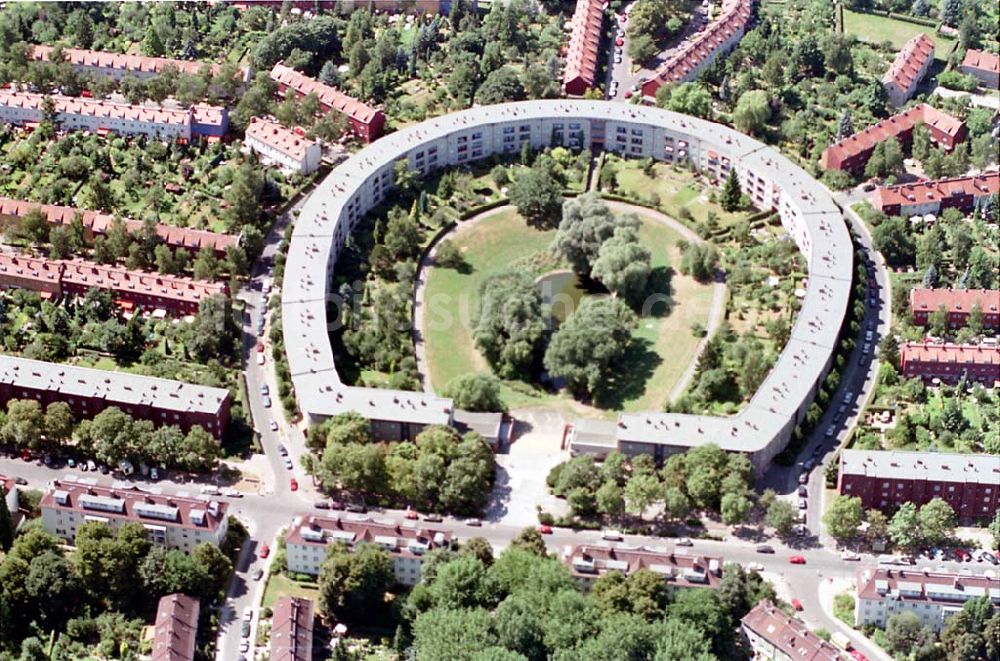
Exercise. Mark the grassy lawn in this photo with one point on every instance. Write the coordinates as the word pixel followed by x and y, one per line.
pixel 876 29
pixel 280 585
pixel 663 343
pixel 676 189
pixel 843 608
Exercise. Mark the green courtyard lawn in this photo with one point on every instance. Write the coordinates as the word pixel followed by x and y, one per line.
pixel 280 585
pixel 663 344
pixel 680 196
pixel 877 29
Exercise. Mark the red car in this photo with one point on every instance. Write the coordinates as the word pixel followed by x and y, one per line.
pixel 628 94
pixel 797 560
pixel 619 42
pixel 545 529
pixel 260 347
pixel 796 604
pixel 858 656
pixel 293 484
pixel 962 554
pixel 265 551
pixel 410 514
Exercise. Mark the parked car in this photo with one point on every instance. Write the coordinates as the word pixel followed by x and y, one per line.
pixel 803 503
pixel 809 464
pixel 801 530
pixel 830 431
pixel 765 548
pixel 545 529
pixel 803 478
pixel 264 390
pixel 336 505
pixel 411 515
pixel 265 551
pixel 962 554
pixel 357 508
pixel 796 604
pixel 288 463
pixel 293 484
pixel 260 347
pixel 245 630
pixel 754 566
pixel 433 518
pixel 611 535
pixel 244 646
pixel 684 541
pixel 258 574
pixel 282 450
pixel 321 505
pixel 91 466
pixel 273 426
pixel 803 490
pixel 267 402
pixel 154 473
pixel 474 523
pixel 797 560
pixel 850 556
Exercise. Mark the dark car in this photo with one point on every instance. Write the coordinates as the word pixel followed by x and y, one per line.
pixel 433 518
pixel 358 508
pixel 765 548
pixel 321 505
pixel 336 505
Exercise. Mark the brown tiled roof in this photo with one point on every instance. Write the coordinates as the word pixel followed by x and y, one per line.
pixel 926 587
pixel 910 62
pixel 403 539
pixel 277 136
pixel 954 300
pixel 176 628
pixel 134 505
pixel 72 105
pixel 963 354
pixel 733 18
pixel 977 59
pixel 682 569
pixel 788 634
pixel 134 63
pixel 327 95
pixel 584 42
pixel 894 126
pixel 292 630
pixel 99 223
pixel 922 192
pixel 87 274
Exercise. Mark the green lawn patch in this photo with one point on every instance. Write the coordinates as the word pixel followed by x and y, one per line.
pixel 679 195
pixel 280 585
pixel 877 29
pixel 843 608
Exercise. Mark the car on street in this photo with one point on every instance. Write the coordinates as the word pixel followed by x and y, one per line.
pixel 830 431
pixel 71 462
pixel 619 42
pixel 803 503
pixel 357 508
pixel 91 466
pixel 848 397
pixel 321 505
pixel 475 523
pixel 868 187
pixel 260 359
pixel 628 94
pixel 248 615
pixel 411 515
pixel 293 484
pixel 282 450
pixel 803 478
pixel 801 530
pixel 962 555
pixel 797 560
pixel 857 655
pixel 990 558
pixel 265 551
pixel 20 481
pixel 260 347
pixel 258 574
pixel 545 529
pixel 433 518
pixel 754 566
pixel 611 535
pixel 618 59
pixel 273 425
pixel 287 463
pixel 264 390
pixel 336 505
pixel 154 473
pixel 850 556
pixel 245 630
pixel 765 548
pixel 803 490
pixel 244 646
pixel 684 541
pixel 796 604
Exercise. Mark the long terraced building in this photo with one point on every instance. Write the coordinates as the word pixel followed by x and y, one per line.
pixel 761 430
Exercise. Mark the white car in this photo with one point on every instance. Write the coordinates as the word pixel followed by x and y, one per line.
pixel 754 566
pixel 273 426
pixel 288 463
pixel 244 646
pixel 684 541
pixel 849 555
pixel 248 615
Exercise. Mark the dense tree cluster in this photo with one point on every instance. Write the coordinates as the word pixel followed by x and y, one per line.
pixel 110 437
pixel 476 392
pixel 651 24
pixel 438 471
pixel 525 605
pixel 510 327
pixel 703 478
pixel 98 597
pixel 971 633
pixel 910 526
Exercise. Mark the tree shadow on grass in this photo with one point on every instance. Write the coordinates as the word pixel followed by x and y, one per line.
pixel 659 301
pixel 631 374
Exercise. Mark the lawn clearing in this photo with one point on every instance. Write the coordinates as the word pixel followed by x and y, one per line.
pixel 663 344
pixel 677 190
pixel 280 585
pixel 876 29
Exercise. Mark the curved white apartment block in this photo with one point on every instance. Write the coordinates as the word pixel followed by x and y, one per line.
pixel 806 209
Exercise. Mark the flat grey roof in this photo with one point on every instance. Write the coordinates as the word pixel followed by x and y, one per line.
pixel 113 387
pixel 932 466
pixel 486 425
pixel 819 231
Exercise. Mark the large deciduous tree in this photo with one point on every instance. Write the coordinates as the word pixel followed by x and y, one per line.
pixel 843 517
pixel 623 265
pixel 537 196
pixel 510 325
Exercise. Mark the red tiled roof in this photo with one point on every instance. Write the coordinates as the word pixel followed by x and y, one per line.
pixel 963 354
pixel 99 223
pixel 954 300
pixel 865 140
pixel 925 587
pixel 72 105
pixel 977 59
pixel 277 136
pixel 176 628
pixel 910 62
pixel 124 62
pixel 323 530
pixel 702 46
pixel 129 501
pixel 584 42
pixel 788 634
pixel 292 630
pixel 922 192
pixel 327 95
pixel 588 560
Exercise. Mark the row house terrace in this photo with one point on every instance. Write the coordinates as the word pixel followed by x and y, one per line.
pixel 291 150
pixel 117 65
pixel 852 153
pixel 588 562
pixel 407 543
pixel 151 292
pixel 958 304
pixel 292 629
pixel 90 391
pixel 175 632
pixel 984 66
pixel 176 522
pixel 773 634
pixel 97 224
pixel 884 480
pixel 366 122
pixel 949 363
pixel 584 50
pixel 923 197
pixel 908 69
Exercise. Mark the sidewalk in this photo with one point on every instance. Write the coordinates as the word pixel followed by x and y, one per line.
pixel 828 588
